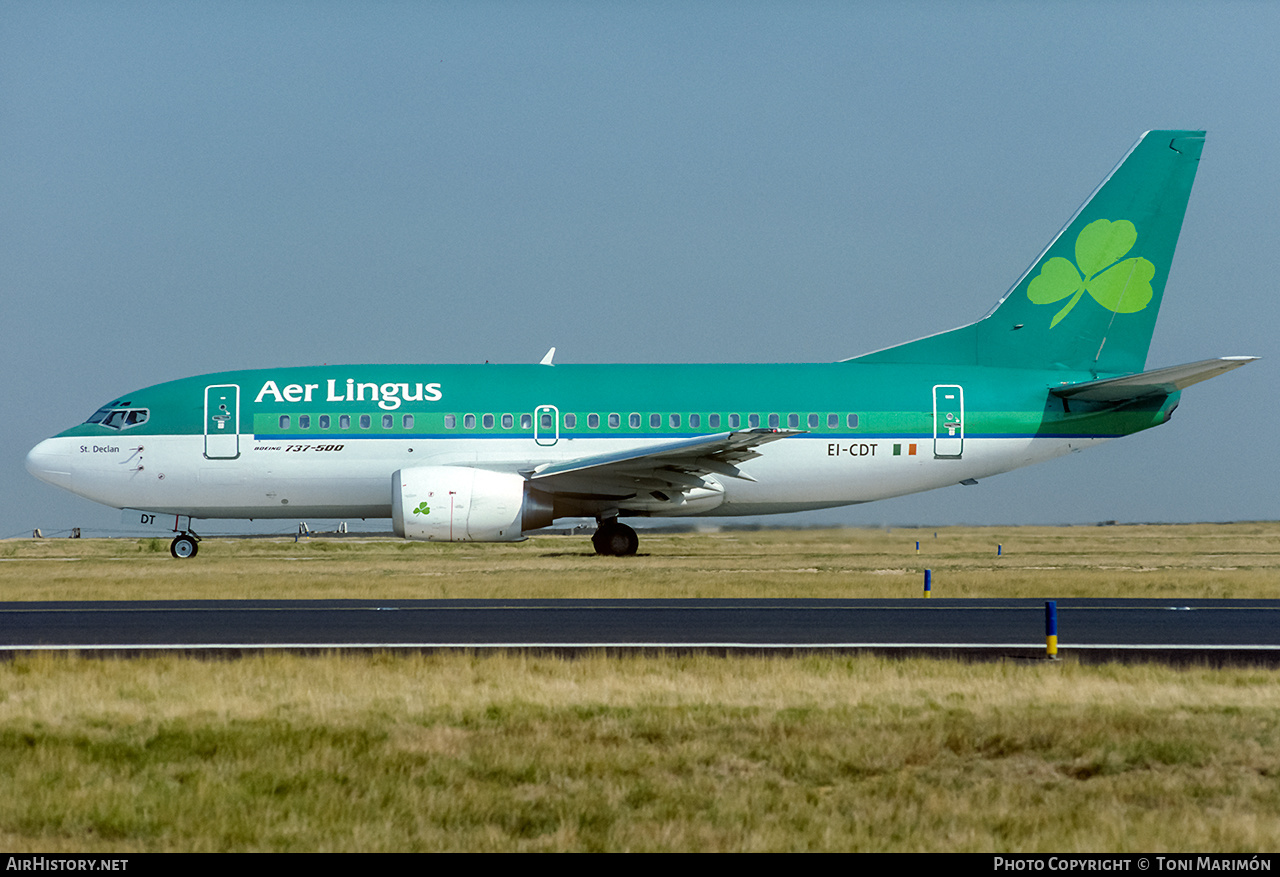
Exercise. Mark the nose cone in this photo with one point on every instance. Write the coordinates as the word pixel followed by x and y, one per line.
pixel 50 461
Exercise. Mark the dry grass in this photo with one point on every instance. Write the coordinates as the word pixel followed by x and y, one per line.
pixel 1188 561
pixel 461 752
pixel 512 752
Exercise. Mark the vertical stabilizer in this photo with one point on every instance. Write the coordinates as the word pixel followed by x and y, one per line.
pixel 1089 302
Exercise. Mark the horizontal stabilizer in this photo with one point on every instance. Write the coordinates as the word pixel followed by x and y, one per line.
pixel 1160 382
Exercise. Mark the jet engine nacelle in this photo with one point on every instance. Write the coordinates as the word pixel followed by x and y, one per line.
pixel 463 504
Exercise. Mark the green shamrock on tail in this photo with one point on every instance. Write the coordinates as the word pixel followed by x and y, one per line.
pixel 1123 287
pixel 422 509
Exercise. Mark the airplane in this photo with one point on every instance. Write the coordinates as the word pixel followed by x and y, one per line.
pixel 490 452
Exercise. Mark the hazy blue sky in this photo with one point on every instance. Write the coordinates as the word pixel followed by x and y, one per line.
pixel 191 187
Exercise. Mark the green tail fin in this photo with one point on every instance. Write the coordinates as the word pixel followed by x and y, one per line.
pixel 1089 302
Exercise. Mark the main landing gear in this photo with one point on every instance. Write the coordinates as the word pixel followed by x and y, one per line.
pixel 184 545
pixel 612 538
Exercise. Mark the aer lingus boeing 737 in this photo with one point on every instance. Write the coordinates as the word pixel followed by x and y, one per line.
pixel 489 452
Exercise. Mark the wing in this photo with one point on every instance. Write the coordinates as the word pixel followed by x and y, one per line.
pixel 680 466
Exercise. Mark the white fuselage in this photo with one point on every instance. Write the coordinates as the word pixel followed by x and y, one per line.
pixel 284 479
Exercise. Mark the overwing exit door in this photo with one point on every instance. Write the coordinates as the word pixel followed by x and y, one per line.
pixel 546 425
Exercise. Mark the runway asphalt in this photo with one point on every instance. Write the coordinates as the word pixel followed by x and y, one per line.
pixel 1095 629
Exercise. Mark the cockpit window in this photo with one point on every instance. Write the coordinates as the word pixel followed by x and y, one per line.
pixel 119 418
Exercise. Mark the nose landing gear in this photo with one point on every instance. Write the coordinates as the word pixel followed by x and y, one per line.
pixel 184 545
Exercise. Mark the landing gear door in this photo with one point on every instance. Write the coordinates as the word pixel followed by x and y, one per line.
pixel 948 420
pixel 222 421
pixel 546 425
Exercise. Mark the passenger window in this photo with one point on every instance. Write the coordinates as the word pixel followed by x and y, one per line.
pixel 634 421
pixel 304 421
pixel 451 421
pixel 388 421
pixel 570 421
pixel 284 421
pixel 793 421
pixel 487 420
pixel 774 421
pixel 853 421
pixel 734 421
pixel 593 421
pixel 407 421
pixel 655 421
pixel 526 421
pixel 344 421
pixel 713 421
pixel 675 421
pixel 614 421
pixel 833 421
pixel 695 421
pixel 469 421
pixel 813 421
pixel 365 421
pixel 546 421
pixel 507 421
pixel 753 421
pixel 324 421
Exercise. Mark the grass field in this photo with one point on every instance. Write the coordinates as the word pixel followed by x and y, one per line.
pixel 515 752
pixel 1197 560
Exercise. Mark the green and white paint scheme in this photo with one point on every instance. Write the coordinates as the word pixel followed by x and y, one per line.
pixel 490 452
